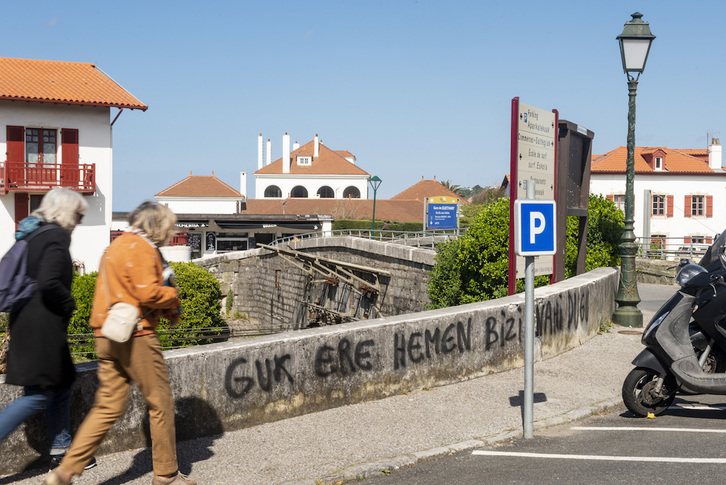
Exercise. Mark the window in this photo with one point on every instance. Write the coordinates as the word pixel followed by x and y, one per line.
pixel 619 201
pixel 40 146
pixel 659 163
pixel 697 205
pixel 307 160
pixel 351 193
pixel 273 191
pixel 326 192
pixel 658 205
pixel 697 240
pixel 299 192
pixel 229 241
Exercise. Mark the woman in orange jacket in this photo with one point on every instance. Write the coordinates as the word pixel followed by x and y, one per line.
pixel 133 268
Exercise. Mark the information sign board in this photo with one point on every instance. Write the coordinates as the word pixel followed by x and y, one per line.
pixel 442 213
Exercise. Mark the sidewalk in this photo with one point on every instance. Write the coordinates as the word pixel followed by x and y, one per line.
pixel 342 444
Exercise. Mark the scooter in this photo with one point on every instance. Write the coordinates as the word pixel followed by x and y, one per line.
pixel 686 339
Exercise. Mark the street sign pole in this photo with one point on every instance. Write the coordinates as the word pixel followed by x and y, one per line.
pixel 529 336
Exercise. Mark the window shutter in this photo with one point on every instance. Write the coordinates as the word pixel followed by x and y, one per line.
pixel 669 209
pixel 687 240
pixel 16 144
pixel 709 206
pixel 21 206
pixel 610 197
pixel 687 206
pixel 709 240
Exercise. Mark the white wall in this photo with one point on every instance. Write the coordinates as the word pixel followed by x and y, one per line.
pixel 201 205
pixel 94 145
pixel 678 186
pixel 312 183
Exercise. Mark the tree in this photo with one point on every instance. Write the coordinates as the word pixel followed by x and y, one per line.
pixel 475 267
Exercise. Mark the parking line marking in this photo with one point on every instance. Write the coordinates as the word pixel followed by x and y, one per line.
pixel 649 459
pixel 635 428
pixel 699 407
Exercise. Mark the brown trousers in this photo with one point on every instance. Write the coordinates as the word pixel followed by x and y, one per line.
pixel 139 360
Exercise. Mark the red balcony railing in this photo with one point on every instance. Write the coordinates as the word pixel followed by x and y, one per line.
pixel 24 177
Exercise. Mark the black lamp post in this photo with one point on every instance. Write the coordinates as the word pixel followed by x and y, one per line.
pixel 635 44
pixel 374 182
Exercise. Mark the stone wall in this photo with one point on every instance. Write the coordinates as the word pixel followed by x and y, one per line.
pixel 268 290
pixel 245 382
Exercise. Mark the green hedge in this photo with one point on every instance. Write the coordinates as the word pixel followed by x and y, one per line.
pixel 344 224
pixel 199 292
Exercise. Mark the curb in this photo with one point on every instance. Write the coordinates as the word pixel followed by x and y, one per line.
pixel 386 465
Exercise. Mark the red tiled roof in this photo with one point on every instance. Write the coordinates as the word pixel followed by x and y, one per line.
pixel 426 188
pixel 327 162
pixel 62 82
pixel 199 186
pixel 674 161
pixel 387 210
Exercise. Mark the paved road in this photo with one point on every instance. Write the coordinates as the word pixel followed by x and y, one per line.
pixel 343 444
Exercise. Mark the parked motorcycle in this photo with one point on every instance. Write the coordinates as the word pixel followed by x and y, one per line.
pixel 686 339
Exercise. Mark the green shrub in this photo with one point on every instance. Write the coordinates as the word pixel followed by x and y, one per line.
pixel 80 335
pixel 362 224
pixel 476 266
pixel 200 295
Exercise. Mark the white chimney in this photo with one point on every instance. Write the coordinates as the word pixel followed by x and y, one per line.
pixel 316 151
pixel 295 146
pixel 714 154
pixel 259 152
pixel 269 152
pixel 286 153
pixel 243 183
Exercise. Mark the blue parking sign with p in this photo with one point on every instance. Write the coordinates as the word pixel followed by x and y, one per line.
pixel 534 227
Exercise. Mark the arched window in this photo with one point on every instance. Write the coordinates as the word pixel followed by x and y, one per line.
pixel 273 191
pixel 351 193
pixel 326 192
pixel 299 192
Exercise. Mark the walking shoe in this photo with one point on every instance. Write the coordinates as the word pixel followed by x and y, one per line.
pixel 54 479
pixel 178 479
pixel 55 461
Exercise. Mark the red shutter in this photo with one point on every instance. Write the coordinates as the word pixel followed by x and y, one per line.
pixel 687 206
pixel 709 240
pixel 687 240
pixel 610 197
pixel 21 206
pixel 669 209
pixel 709 206
pixel 69 152
pixel 15 146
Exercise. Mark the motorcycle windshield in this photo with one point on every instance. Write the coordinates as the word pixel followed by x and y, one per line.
pixel 714 258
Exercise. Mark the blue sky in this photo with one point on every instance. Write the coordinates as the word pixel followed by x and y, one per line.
pixel 413 88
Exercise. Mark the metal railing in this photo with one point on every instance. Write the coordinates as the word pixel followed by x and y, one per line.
pixel 21 176
pixel 672 248
pixel 421 239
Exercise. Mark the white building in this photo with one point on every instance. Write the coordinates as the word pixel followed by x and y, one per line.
pixel 56 131
pixel 203 194
pixel 309 171
pixel 676 191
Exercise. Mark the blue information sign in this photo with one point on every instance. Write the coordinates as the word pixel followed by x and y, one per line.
pixel 534 227
pixel 441 215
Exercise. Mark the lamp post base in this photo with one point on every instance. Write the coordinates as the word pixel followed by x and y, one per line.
pixel 628 316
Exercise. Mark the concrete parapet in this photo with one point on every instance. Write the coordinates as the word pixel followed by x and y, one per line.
pixel 246 382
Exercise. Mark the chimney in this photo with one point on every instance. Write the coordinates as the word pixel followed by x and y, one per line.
pixel 259 152
pixel 295 146
pixel 714 154
pixel 269 152
pixel 286 153
pixel 243 183
pixel 316 151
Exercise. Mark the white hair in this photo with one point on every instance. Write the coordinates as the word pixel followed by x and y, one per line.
pixel 61 206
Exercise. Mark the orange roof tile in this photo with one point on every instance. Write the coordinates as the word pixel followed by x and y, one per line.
pixel 387 210
pixel 327 162
pixel 62 82
pixel 426 188
pixel 674 161
pixel 199 186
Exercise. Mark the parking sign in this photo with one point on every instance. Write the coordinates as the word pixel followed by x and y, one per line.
pixel 534 227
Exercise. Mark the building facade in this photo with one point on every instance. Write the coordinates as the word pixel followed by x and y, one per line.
pixel 56 131
pixel 678 193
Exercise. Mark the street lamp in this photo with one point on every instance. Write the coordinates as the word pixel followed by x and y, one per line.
pixel 374 182
pixel 635 44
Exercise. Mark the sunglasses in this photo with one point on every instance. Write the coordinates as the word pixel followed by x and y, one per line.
pixel 79 217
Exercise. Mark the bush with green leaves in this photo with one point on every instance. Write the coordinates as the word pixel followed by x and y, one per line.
pixel 475 267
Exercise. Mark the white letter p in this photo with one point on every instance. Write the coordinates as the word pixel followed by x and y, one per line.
pixel 536 225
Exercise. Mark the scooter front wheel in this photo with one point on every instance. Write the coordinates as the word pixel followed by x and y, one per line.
pixel 640 396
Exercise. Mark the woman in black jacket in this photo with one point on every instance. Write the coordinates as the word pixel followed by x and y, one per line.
pixel 38 357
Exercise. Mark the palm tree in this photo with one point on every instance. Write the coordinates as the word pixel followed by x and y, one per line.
pixel 454 188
